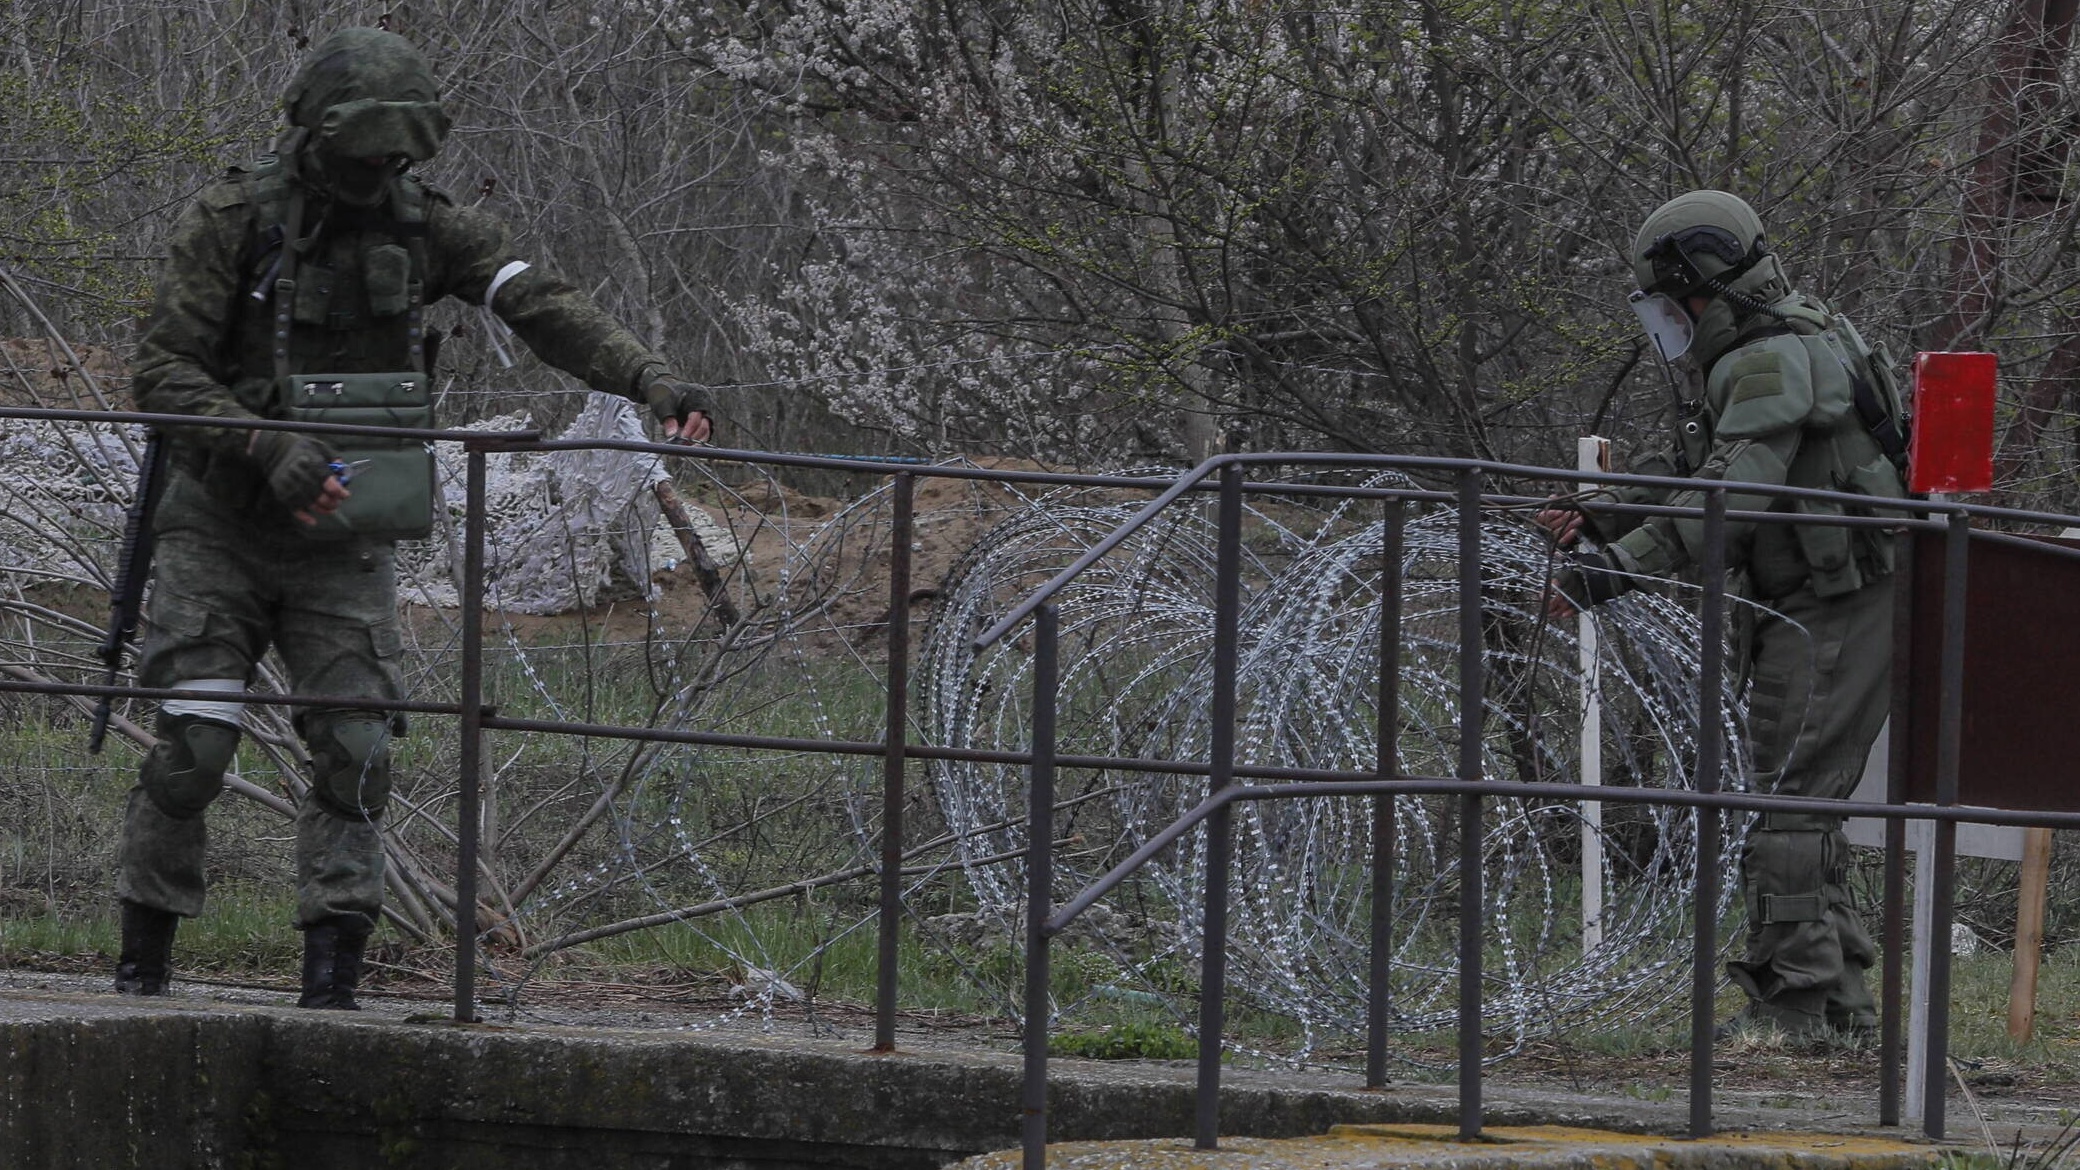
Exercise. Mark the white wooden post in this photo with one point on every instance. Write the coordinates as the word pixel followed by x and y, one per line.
pixel 1592 453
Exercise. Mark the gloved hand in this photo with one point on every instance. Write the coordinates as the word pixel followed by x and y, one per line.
pixel 1588 580
pixel 681 406
pixel 298 471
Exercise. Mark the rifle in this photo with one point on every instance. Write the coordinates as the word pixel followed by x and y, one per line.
pixel 133 565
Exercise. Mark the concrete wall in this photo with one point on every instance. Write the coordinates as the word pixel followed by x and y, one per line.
pixel 94 1081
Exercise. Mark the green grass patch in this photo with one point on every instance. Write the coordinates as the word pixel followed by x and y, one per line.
pixel 1135 1040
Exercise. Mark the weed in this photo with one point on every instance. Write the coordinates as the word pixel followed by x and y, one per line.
pixel 1129 1041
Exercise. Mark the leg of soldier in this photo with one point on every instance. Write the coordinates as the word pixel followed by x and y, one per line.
pixel 207 626
pixel 339 636
pixel 1822 682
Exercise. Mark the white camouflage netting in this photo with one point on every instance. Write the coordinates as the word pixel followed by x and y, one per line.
pixel 566 529
pixel 63 488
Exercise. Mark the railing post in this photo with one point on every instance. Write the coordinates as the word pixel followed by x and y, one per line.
pixel 1039 883
pixel 1471 716
pixel 1704 958
pixel 470 750
pixel 901 536
pixel 1949 746
pixel 1379 974
pixel 1213 961
pixel 1892 973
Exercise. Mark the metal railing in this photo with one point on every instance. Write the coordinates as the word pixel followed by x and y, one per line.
pixel 1387 782
pixel 1229 780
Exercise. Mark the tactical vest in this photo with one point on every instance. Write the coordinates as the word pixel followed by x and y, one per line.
pixel 330 328
pixel 1852 439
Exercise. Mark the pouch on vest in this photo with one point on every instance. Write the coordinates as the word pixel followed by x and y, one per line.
pixel 1828 550
pixel 392 480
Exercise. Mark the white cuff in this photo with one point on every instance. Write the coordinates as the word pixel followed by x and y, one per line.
pixel 512 269
pixel 221 711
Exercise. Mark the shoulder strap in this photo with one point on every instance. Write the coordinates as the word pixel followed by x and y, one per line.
pixel 1879 402
pixel 285 280
pixel 408 208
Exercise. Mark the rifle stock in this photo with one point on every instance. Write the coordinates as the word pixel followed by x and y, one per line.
pixel 133 566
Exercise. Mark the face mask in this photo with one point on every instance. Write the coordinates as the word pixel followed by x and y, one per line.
pixel 1666 322
pixel 356 182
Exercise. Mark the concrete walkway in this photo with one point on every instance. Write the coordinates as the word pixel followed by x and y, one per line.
pixel 231 1077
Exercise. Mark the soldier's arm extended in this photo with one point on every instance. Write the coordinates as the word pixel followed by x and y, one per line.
pixel 473 259
pixel 1764 393
pixel 179 362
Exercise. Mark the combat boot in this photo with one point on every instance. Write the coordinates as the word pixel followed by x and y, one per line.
pixel 145 965
pixel 332 962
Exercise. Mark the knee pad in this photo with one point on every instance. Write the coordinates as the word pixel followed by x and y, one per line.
pixel 1785 874
pixel 350 763
pixel 185 770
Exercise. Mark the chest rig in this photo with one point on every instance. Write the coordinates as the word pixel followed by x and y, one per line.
pixel 356 287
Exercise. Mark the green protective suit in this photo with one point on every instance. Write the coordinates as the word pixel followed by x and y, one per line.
pixel 1779 408
pixel 235 573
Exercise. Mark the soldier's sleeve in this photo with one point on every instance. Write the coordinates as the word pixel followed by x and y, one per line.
pixel 473 258
pixel 1762 393
pixel 1617 524
pixel 178 365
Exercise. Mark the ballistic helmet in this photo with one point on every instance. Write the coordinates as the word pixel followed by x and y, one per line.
pixel 1703 244
pixel 1700 242
pixel 366 94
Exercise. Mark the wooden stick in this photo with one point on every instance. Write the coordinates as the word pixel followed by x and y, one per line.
pixel 2029 932
pixel 704 569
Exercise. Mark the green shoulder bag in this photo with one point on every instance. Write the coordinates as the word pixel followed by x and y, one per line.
pixel 389 481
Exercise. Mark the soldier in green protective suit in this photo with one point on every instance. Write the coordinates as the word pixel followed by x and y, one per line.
pixel 1791 395
pixel 317 260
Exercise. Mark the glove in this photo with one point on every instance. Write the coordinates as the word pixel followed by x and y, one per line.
pixel 671 397
pixel 1590 579
pixel 297 466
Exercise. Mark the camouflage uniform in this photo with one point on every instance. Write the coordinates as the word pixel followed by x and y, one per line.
pixel 1782 404
pixel 236 570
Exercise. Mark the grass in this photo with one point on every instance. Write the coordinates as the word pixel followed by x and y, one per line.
pixel 248 930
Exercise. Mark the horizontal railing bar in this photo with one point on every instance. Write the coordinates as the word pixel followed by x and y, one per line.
pixel 1302 782
pixel 1196 477
pixel 1617 794
pixel 143 418
pixel 250 698
pixel 530 440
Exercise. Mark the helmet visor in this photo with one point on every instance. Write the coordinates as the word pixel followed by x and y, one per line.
pixel 1666 322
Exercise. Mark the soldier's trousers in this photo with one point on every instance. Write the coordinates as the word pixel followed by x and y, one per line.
pixel 1821 689
pixel 224 590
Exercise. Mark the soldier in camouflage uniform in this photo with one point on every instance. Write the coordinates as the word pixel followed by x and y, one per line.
pixel 368 244
pixel 1791 395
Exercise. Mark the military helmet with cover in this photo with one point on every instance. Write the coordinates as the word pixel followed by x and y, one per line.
pixel 368 106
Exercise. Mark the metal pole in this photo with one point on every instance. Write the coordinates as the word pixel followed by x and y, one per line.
pixel 1039 883
pixel 471 747
pixel 1949 746
pixel 1892 973
pixel 1471 712
pixel 1213 978
pixel 1704 973
pixel 1379 974
pixel 901 536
